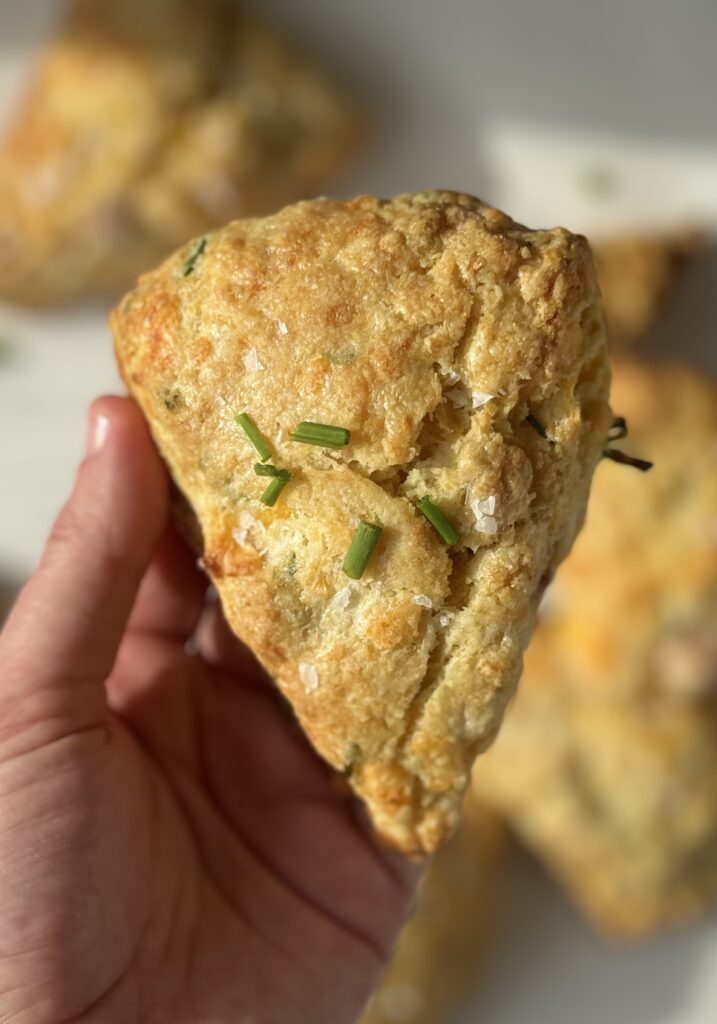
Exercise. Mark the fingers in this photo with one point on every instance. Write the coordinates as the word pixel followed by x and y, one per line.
pixel 221 649
pixel 69 620
pixel 171 596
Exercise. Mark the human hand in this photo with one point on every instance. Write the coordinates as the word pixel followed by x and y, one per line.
pixel 171 850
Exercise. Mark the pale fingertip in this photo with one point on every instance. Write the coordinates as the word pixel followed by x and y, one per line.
pixel 98 430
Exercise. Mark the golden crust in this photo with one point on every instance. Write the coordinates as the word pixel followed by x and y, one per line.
pixel 383 317
pixel 441 949
pixel 607 763
pixel 633 611
pixel 619 800
pixel 635 273
pixel 148 123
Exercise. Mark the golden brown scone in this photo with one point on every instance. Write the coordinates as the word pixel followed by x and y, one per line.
pixel 447 339
pixel 441 950
pixel 635 273
pixel 619 800
pixel 146 124
pixel 607 762
pixel 634 609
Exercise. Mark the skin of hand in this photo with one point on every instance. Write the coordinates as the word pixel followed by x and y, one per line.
pixel 171 850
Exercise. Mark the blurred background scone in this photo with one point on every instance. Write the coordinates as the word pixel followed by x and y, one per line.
pixel 634 609
pixel 607 765
pixel 440 952
pixel 635 274
pixel 148 123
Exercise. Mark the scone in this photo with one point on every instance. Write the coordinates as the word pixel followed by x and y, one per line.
pixel 634 609
pixel 455 364
pixel 619 800
pixel 441 950
pixel 635 273
pixel 146 124
pixel 607 762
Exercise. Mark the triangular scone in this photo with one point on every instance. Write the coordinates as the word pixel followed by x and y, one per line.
pixel 467 357
pixel 149 121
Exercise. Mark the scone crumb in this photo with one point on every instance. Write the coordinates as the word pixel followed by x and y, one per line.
pixel 247 522
pixel 309 675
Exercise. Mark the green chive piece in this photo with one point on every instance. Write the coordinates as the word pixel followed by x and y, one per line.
pixel 627 460
pixel 191 262
pixel 255 436
pixel 438 521
pixel 362 547
pixel 618 429
pixel 322 435
pixel 536 425
pixel 266 469
pixel 271 494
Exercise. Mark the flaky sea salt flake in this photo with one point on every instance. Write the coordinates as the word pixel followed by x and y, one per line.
pixel 481 398
pixel 483 509
pixel 252 361
pixel 309 675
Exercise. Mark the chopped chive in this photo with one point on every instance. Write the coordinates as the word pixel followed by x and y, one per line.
pixel 438 521
pixel 266 469
pixel 536 425
pixel 627 460
pixel 362 546
pixel 618 429
pixel 255 436
pixel 191 262
pixel 322 435
pixel 271 494
pixel 342 356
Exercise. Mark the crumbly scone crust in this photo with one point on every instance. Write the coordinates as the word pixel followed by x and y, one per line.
pixel 147 123
pixel 383 317
pixel 607 762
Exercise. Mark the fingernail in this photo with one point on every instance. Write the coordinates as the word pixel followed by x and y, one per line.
pixel 98 432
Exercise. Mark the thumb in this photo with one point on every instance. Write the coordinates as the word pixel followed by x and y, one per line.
pixel 62 638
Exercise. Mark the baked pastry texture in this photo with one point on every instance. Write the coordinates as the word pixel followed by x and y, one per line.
pixel 607 762
pixel 635 274
pixel 466 356
pixel 634 610
pixel 443 947
pixel 148 123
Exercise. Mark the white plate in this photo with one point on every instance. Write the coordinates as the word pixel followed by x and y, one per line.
pixel 514 100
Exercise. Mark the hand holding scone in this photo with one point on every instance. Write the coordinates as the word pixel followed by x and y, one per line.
pixel 171 849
